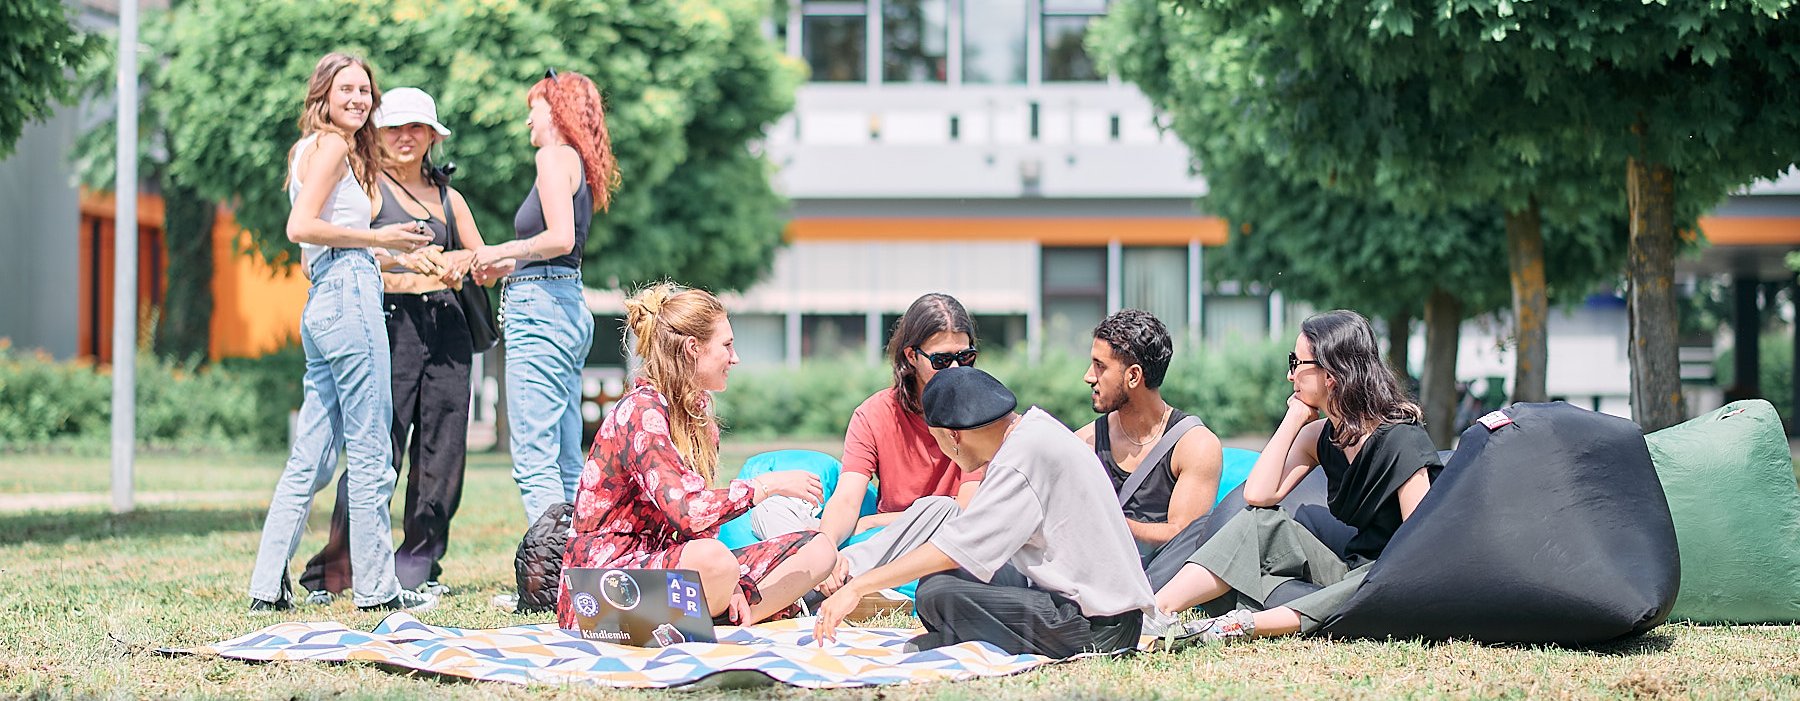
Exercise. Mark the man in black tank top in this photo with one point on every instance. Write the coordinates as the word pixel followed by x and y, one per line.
pixel 1179 483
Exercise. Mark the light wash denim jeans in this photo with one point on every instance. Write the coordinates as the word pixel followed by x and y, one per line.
pixel 548 329
pixel 349 402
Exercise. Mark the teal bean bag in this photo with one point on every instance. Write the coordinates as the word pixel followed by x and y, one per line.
pixel 737 533
pixel 1234 470
pixel 1729 479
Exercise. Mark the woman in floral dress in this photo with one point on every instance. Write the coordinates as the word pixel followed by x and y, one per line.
pixel 645 498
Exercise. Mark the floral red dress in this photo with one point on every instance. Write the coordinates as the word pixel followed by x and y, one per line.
pixel 638 504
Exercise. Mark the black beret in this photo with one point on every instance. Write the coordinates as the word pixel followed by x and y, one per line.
pixel 961 398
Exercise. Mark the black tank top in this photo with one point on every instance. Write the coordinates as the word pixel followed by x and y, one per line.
pixel 392 213
pixel 1151 502
pixel 529 222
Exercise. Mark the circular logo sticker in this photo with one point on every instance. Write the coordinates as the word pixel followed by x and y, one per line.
pixel 587 605
pixel 619 590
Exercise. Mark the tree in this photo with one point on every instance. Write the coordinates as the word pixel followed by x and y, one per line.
pixel 1303 87
pixel 1335 250
pixel 39 53
pixel 689 84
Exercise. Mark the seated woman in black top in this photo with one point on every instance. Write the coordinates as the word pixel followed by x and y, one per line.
pixel 1378 463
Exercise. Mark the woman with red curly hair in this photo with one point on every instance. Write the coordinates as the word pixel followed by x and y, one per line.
pixel 545 321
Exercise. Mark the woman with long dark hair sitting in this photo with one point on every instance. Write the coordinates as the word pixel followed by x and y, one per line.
pixel 1378 463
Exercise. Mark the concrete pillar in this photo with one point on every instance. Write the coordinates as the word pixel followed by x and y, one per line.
pixel 1115 283
pixel 793 338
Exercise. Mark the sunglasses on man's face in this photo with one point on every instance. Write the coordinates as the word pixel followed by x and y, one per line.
pixel 1294 361
pixel 939 361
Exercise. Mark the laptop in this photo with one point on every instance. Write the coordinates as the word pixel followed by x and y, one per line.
pixel 646 608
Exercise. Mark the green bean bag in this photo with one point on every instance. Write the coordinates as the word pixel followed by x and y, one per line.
pixel 1730 483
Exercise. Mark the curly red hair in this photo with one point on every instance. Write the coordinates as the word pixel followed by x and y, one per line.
pixel 580 117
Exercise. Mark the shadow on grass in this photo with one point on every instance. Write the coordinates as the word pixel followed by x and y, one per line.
pixel 150 522
pixel 1646 644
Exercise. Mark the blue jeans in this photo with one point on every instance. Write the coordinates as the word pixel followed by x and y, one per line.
pixel 349 401
pixel 548 329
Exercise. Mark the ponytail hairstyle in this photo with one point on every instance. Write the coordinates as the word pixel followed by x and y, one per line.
pixel 580 118
pixel 367 155
pixel 663 317
pixel 1363 393
pixel 929 315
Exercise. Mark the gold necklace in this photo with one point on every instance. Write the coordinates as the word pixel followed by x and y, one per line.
pixel 1163 421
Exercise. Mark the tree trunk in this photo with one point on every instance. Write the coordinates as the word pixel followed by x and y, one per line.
pixel 1655 363
pixel 1399 330
pixel 1531 308
pixel 184 330
pixel 1443 332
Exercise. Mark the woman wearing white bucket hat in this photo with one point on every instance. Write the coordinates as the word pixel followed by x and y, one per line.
pixel 431 348
pixel 331 179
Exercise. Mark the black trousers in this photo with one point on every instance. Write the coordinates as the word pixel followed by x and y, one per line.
pixel 431 349
pixel 1007 612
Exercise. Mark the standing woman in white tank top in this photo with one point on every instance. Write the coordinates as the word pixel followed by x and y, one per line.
pixel 348 398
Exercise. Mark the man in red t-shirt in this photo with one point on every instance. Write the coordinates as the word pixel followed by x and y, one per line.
pixel 888 443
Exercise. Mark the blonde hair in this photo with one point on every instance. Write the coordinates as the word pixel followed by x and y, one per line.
pixel 663 317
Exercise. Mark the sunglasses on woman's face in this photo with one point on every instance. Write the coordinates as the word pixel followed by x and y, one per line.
pixel 939 361
pixel 1294 361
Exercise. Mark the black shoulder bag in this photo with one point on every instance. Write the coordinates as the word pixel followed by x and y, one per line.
pixel 478 310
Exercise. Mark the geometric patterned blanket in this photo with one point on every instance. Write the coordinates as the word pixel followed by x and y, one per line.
pixel 781 651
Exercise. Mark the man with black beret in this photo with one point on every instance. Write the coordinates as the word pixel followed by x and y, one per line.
pixel 1041 561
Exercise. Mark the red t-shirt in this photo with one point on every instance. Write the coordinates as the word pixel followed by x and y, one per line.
pixel 894 447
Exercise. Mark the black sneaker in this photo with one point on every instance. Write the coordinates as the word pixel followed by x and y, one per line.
pixel 283 603
pixel 319 598
pixel 434 588
pixel 406 600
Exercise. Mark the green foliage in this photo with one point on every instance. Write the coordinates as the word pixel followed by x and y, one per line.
pixel 1236 389
pixel 45 403
pixel 39 52
pixel 1335 250
pixel 688 84
pixel 1775 361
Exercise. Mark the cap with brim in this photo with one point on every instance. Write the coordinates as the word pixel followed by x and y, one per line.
pixel 403 106
pixel 960 398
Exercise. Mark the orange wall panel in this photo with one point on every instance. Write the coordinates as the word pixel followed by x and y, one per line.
pixel 256 306
pixel 1148 231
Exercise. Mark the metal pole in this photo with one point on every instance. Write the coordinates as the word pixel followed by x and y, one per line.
pixel 125 240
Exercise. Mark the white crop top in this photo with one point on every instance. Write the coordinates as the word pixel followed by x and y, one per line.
pixel 347 206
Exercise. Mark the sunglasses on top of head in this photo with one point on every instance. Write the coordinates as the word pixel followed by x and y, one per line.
pixel 1294 361
pixel 939 361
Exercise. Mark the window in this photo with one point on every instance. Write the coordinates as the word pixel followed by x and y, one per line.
pixel 915 41
pixel 608 348
pixel 832 335
pixel 1065 25
pixel 1000 333
pixel 1236 317
pixel 761 339
pixel 1155 280
pixel 1074 299
pixel 993 41
pixel 834 40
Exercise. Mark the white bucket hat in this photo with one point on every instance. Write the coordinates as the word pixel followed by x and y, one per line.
pixel 403 106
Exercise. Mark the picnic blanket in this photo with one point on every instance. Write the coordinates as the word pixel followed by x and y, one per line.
pixel 781 651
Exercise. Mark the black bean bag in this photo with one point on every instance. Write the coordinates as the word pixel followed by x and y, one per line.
pixel 537 566
pixel 1550 527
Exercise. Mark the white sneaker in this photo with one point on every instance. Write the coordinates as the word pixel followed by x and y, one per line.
pixel 505 602
pixel 406 600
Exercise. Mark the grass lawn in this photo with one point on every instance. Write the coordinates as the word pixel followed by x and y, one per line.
pixel 87 596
